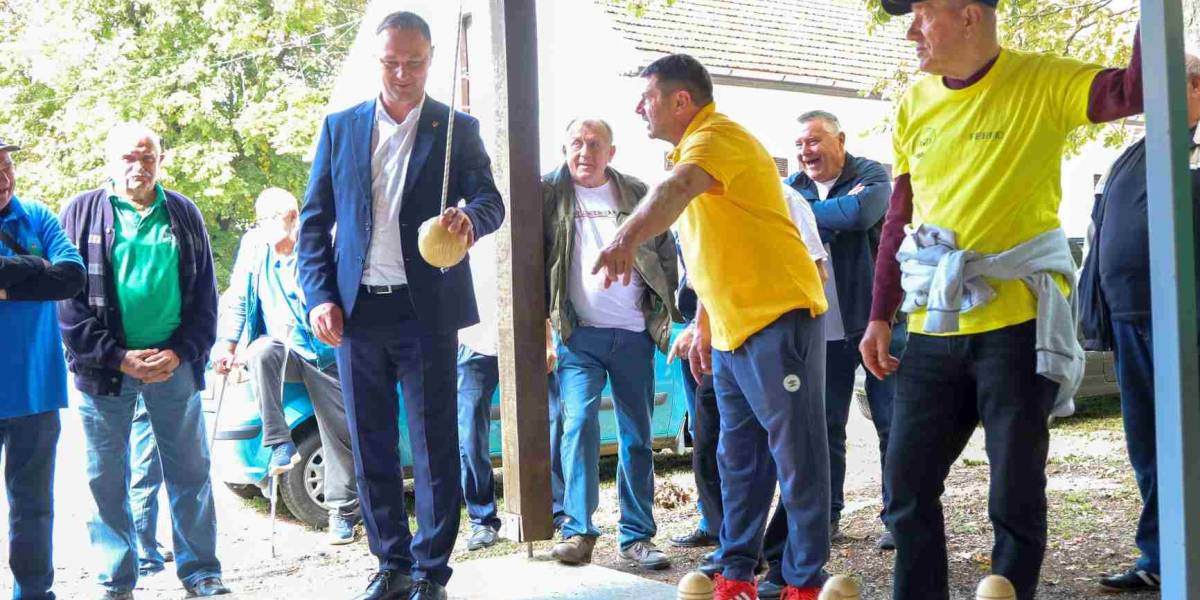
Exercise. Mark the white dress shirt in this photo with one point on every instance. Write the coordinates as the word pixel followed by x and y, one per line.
pixel 391 148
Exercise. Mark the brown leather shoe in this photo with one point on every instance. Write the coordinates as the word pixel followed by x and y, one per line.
pixel 575 550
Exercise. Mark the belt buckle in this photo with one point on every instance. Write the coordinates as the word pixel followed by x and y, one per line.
pixel 381 290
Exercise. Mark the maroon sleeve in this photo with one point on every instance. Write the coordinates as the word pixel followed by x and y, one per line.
pixel 887 294
pixel 1117 93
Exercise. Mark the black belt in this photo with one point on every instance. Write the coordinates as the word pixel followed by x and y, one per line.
pixel 383 290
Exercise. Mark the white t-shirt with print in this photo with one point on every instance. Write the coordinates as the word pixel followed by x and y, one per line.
pixel 618 306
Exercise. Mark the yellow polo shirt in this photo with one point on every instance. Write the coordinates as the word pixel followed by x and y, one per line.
pixel 744 255
pixel 985 162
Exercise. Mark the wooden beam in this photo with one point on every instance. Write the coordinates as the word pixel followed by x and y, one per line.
pixel 1172 272
pixel 520 276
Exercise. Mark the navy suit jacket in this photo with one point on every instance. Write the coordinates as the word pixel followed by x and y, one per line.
pixel 339 194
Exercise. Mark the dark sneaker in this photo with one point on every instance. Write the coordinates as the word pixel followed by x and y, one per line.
pixel 168 556
pixel 709 565
pixel 646 555
pixel 835 533
pixel 387 585
pixel 575 550
pixel 341 529
pixel 1136 580
pixel 111 595
pixel 697 538
pixel 283 458
pixel 886 541
pixel 209 586
pixel 424 589
pixel 769 590
pixel 482 536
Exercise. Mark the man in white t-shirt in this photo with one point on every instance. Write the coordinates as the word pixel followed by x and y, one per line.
pixel 605 333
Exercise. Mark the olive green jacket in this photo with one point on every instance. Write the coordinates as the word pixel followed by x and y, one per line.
pixel 655 261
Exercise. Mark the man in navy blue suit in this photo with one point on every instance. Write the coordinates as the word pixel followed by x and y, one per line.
pixel 376 177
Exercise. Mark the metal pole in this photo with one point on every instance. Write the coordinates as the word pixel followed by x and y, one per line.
pixel 1172 269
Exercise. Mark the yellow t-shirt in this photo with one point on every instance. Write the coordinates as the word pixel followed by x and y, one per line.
pixel 744 254
pixel 985 162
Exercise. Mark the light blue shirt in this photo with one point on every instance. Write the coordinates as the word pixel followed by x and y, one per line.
pixel 33 372
pixel 283 306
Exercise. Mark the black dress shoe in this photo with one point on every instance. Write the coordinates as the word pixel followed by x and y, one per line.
pixel 424 589
pixel 697 538
pixel 387 585
pixel 209 586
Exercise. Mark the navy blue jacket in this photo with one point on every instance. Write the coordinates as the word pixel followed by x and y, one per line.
pixel 851 226
pixel 339 193
pixel 91 321
pixel 1115 284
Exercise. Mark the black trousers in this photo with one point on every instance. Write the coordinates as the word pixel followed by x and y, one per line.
pixel 947 385
pixel 706 432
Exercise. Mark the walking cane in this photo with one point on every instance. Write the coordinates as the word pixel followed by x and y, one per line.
pixel 217 415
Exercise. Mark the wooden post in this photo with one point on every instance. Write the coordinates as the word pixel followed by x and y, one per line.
pixel 520 276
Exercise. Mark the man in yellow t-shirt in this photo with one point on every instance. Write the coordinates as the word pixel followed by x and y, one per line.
pixel 761 299
pixel 978 152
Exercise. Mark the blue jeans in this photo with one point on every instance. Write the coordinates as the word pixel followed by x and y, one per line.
pixel 585 360
pixel 29 444
pixel 478 376
pixel 1134 356
pixel 174 409
pixel 770 393
pixel 146 480
pixel 947 385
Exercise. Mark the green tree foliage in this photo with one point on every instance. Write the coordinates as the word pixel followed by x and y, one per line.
pixel 236 88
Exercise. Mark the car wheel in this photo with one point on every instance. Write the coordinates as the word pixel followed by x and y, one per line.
pixel 303 488
pixel 244 491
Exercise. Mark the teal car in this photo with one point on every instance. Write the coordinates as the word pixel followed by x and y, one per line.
pixel 240 460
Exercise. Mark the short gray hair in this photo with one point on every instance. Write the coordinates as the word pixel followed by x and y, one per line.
pixel 600 124
pixel 831 122
pixel 1191 64
pixel 124 135
pixel 273 200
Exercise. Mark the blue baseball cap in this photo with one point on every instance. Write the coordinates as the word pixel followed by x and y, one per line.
pixel 7 147
pixel 903 7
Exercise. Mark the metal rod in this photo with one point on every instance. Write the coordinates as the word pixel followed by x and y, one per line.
pixel 450 122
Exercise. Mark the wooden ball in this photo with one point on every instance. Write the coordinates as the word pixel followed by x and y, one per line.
pixel 695 586
pixel 840 587
pixel 438 246
pixel 995 587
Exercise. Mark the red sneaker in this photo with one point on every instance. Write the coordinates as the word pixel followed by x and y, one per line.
pixel 733 589
pixel 792 592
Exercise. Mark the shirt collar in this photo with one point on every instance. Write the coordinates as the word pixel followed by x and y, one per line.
pixel 386 123
pixel 697 121
pixel 13 211
pixel 160 195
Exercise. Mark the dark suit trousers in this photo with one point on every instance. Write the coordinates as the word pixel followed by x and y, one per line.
pixel 383 344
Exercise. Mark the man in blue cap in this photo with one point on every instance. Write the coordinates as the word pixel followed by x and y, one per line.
pixel 978 155
pixel 38 265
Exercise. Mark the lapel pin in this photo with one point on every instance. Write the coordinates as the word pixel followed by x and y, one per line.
pixel 435 124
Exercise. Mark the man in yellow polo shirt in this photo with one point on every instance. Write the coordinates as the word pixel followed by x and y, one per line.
pixel 760 305
pixel 979 149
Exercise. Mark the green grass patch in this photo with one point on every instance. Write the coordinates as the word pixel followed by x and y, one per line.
pixel 1093 414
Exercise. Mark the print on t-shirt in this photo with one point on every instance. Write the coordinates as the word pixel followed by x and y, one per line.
pixel 596 223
